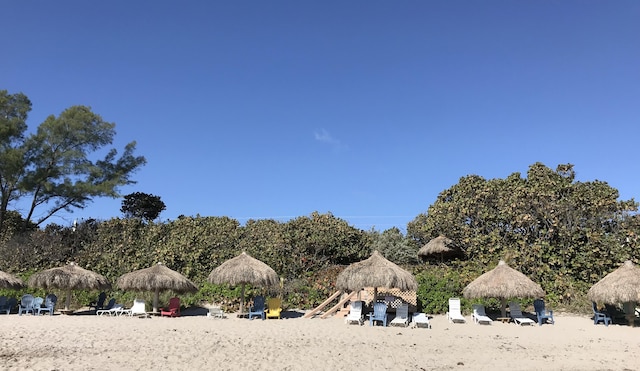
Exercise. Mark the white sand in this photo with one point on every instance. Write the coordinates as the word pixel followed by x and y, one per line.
pixel 89 342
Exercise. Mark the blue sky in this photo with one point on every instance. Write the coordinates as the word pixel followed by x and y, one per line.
pixel 365 109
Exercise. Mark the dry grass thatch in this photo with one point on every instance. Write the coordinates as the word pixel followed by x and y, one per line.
pixel 619 286
pixel 376 271
pixel 502 282
pixel 156 278
pixel 244 269
pixel 8 281
pixel 439 246
pixel 69 277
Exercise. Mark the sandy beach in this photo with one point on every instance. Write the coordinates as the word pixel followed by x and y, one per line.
pixel 89 342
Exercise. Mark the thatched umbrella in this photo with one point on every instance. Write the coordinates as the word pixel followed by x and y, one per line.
pixel 440 247
pixel 242 270
pixel 156 278
pixel 376 271
pixel 8 281
pixel 619 286
pixel 69 277
pixel 502 282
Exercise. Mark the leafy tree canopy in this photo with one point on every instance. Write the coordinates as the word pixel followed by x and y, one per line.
pixel 142 206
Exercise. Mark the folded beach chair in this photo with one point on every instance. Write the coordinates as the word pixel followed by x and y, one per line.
pixel 479 315
pixel 379 314
pixel 274 308
pixel 257 309
pixel 216 312
pixel 420 320
pixel 542 313
pixel 516 315
pixel 26 304
pixel 454 315
pixel 49 304
pixel 355 313
pixel 402 316
pixel 600 316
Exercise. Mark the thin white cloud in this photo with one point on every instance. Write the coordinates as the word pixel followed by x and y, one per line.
pixel 323 136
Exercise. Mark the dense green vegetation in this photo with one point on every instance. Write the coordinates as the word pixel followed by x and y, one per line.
pixel 563 234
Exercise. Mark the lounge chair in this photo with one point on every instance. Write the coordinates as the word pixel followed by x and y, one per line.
pixel 454 315
pixel 479 315
pixel 355 313
pixel 26 304
pixel 115 310
pixel 49 304
pixel 420 320
pixel 516 315
pixel 274 307
pixel 542 313
pixel 216 312
pixel 173 310
pixel 98 304
pixel 600 316
pixel 257 309
pixel 379 314
pixel 9 305
pixel 402 316
pixel 105 308
pixel 139 308
pixel 37 304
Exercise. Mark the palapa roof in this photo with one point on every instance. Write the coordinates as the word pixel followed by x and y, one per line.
pixel 440 245
pixel 69 277
pixel 9 281
pixel 244 269
pixel 619 286
pixel 376 271
pixel 502 282
pixel 156 278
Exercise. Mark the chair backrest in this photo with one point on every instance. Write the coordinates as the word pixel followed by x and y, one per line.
pixel 101 298
pixel 538 305
pixel 111 303
pixel 3 301
pixel 174 303
pixel 12 302
pixel 514 309
pixel 138 307
pixel 478 310
pixel 355 309
pixel 402 311
pixel 454 306
pixel 379 310
pixel 26 301
pixel 274 303
pixel 258 303
pixel 37 302
pixel 50 301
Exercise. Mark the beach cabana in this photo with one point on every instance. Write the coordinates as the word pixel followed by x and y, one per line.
pixel 502 282
pixel 9 281
pixel 376 271
pixel 155 279
pixel 69 277
pixel 242 270
pixel 439 248
pixel 619 286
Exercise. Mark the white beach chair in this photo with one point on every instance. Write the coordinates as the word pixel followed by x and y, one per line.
pixel 454 315
pixel 355 313
pixel 479 315
pixel 216 312
pixel 516 315
pixel 402 316
pixel 420 320
pixel 138 309
pixel 115 310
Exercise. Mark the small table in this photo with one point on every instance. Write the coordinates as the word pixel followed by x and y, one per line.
pixel 504 319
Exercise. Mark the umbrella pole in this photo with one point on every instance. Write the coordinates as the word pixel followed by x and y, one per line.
pixel 503 302
pixel 67 304
pixel 242 301
pixel 155 301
